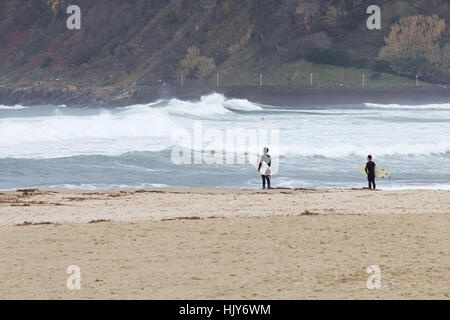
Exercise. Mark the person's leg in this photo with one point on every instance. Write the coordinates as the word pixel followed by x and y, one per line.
pixel 268 181
pixel 263 181
pixel 373 182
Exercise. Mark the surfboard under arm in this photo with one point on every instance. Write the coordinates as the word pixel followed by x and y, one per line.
pixel 379 171
pixel 265 169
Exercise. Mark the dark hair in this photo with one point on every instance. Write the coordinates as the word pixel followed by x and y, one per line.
pixel 369 157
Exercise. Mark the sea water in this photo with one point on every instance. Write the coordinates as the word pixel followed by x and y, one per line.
pixel 50 146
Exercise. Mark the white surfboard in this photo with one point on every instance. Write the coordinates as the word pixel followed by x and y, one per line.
pixel 379 171
pixel 265 169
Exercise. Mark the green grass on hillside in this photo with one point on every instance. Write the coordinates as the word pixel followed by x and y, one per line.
pixel 299 73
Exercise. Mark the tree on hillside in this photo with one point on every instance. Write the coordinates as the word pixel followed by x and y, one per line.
pixel 414 36
pixel 305 15
pixel 195 65
pixel 414 39
pixel 335 17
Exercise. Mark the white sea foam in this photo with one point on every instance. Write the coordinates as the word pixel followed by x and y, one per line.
pixel 242 105
pixel 109 133
pixel 141 106
pixel 349 149
pixel 211 105
pixel 106 125
pixel 148 127
pixel 442 106
pixel 16 107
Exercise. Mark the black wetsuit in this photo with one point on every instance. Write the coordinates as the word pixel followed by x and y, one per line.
pixel 264 179
pixel 266 158
pixel 370 170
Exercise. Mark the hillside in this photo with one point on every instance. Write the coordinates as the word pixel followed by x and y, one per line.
pixel 144 42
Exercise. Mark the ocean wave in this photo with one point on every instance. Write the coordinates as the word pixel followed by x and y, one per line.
pixel 442 106
pixel 130 123
pixel 288 150
pixel 241 105
pixel 154 127
pixel 104 133
pixel 143 106
pixel 209 106
pixel 16 107
pixel 348 150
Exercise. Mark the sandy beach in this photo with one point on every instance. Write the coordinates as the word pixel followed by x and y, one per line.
pixel 225 243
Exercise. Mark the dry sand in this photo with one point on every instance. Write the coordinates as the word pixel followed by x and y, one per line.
pixel 225 244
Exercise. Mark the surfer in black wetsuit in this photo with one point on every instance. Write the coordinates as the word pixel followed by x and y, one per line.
pixel 267 159
pixel 370 170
